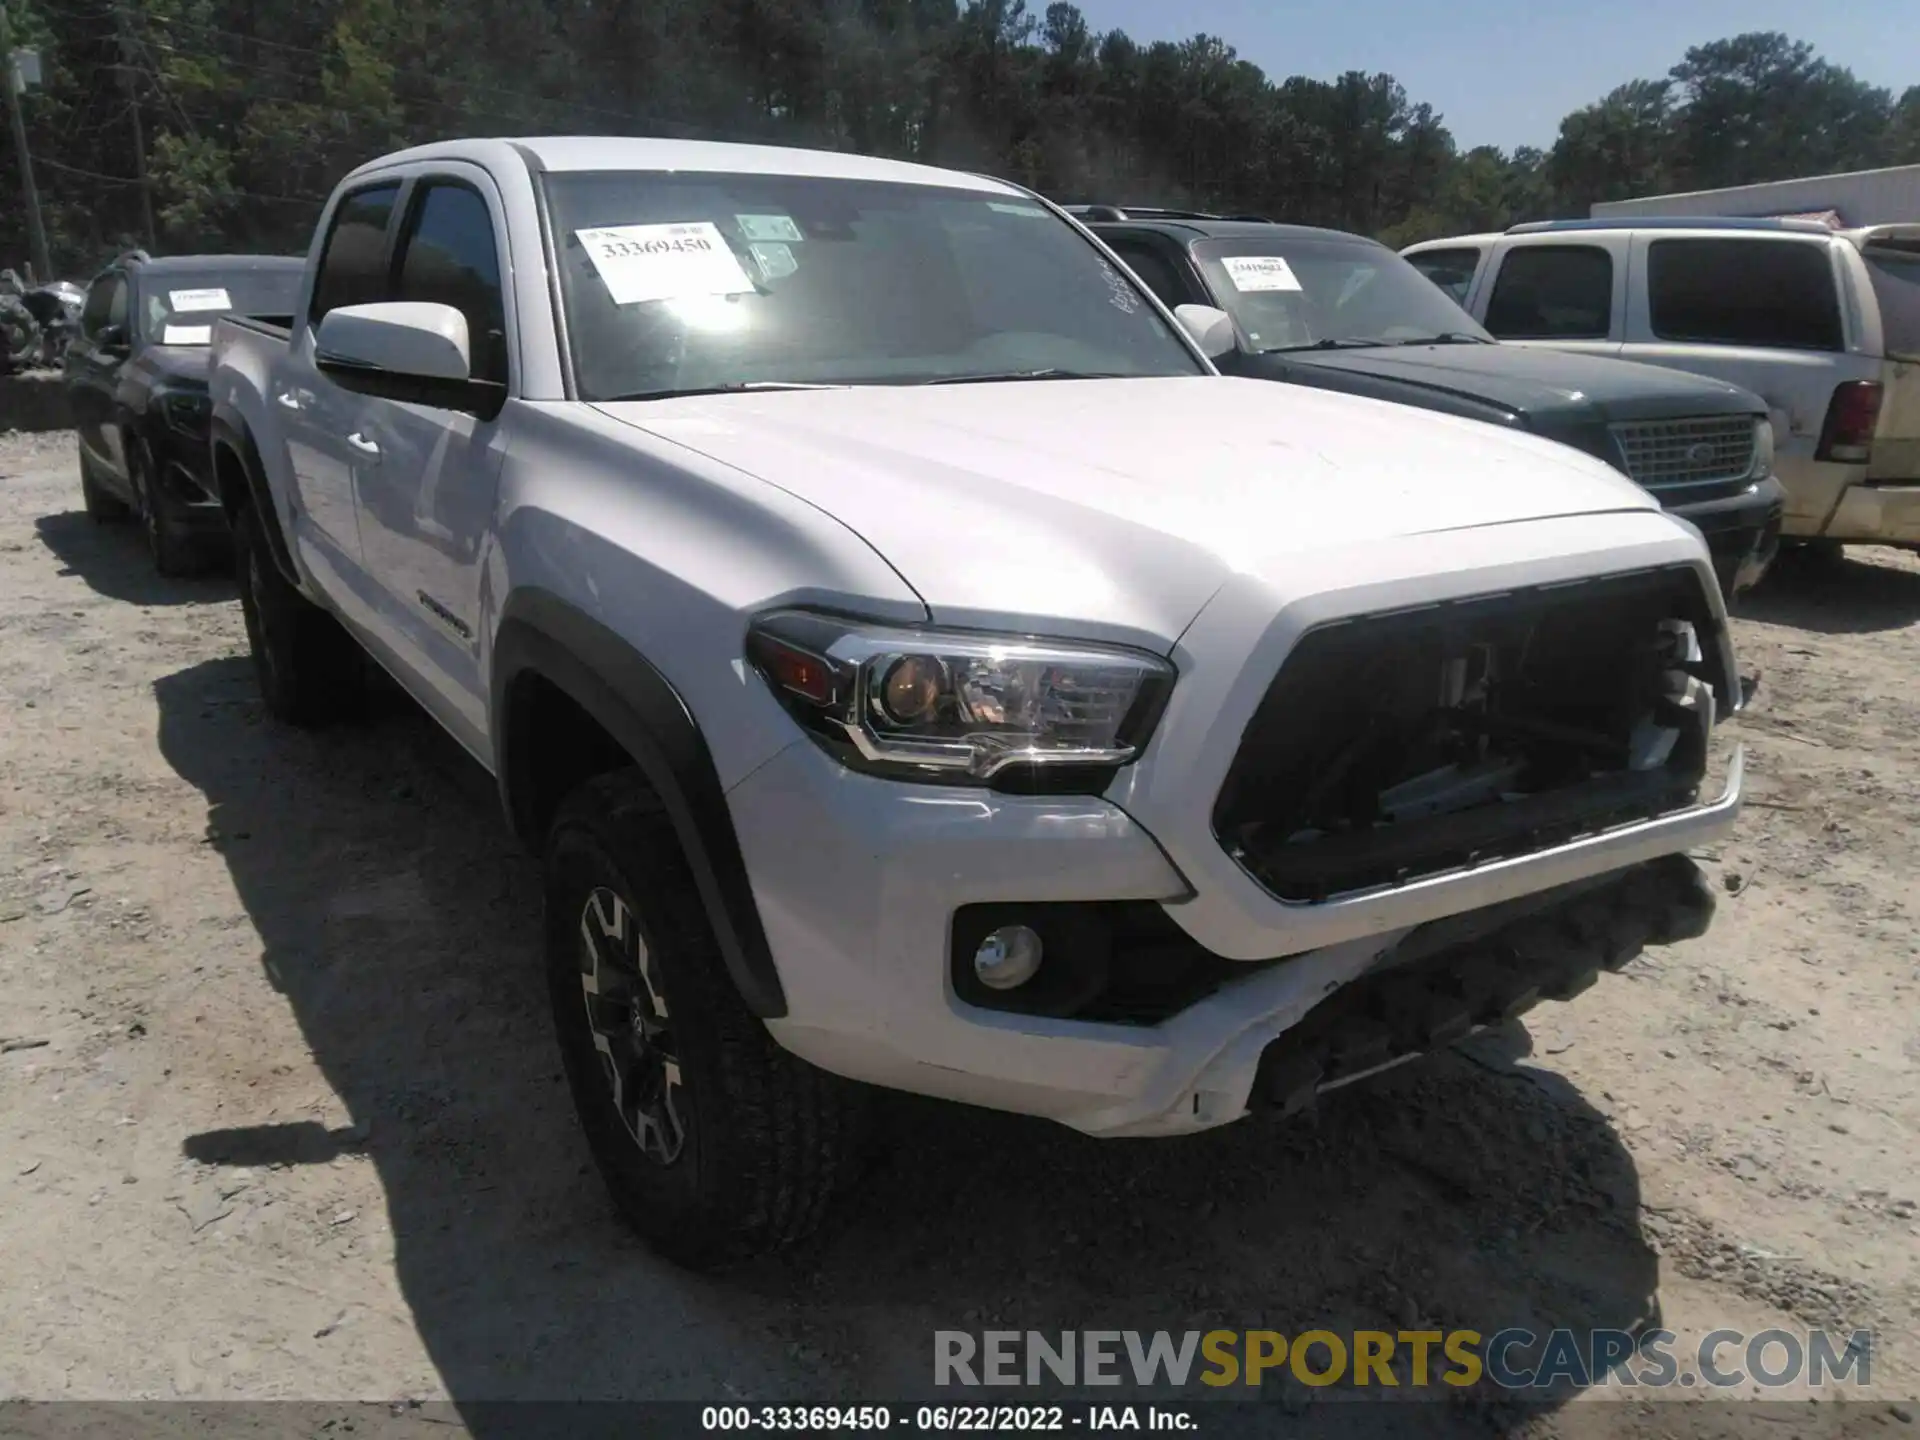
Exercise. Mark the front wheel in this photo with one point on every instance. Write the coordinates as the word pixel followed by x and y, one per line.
pixel 715 1143
pixel 102 508
pixel 309 669
pixel 173 553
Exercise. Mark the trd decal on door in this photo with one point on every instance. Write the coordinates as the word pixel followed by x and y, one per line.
pixel 446 617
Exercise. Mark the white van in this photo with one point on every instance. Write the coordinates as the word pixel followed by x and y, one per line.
pixel 1823 324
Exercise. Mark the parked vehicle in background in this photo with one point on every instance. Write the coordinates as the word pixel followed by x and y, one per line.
pixel 37 322
pixel 136 380
pixel 18 331
pixel 916 666
pixel 1823 325
pixel 1341 312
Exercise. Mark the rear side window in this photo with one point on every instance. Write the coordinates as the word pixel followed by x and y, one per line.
pixel 451 258
pixel 1155 269
pixel 1451 270
pixel 353 265
pixel 1553 292
pixel 1778 294
pixel 1896 285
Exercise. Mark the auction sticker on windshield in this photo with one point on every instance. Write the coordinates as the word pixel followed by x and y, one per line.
pixel 186 335
pixel 769 227
pixel 639 263
pixel 776 261
pixel 1253 273
pixel 185 302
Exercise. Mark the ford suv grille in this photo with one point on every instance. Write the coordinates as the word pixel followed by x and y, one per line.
pixel 1663 455
pixel 1397 746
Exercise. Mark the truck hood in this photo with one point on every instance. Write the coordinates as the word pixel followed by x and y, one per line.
pixel 1541 382
pixel 1121 506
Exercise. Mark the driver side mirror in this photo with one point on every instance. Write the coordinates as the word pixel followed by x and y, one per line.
pixel 406 350
pixel 113 339
pixel 1209 328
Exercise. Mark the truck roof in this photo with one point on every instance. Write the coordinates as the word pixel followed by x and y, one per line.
pixel 1215 227
pixel 564 153
pixel 164 265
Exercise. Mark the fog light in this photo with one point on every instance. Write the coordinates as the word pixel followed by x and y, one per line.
pixel 1007 958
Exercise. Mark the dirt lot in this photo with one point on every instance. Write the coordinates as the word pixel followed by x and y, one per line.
pixel 280 1115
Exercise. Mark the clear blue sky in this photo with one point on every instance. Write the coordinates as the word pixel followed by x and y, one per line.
pixel 1503 72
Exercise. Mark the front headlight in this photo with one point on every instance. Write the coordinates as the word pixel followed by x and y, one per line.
pixel 960 706
pixel 1762 449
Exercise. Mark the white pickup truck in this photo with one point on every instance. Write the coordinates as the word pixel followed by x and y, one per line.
pixel 919 668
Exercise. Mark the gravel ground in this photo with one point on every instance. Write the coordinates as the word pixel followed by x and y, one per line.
pixel 281 1117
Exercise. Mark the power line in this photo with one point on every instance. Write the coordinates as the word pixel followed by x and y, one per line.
pixel 582 107
pixel 134 180
pixel 465 112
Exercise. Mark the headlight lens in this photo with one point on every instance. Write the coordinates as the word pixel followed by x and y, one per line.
pixel 955 705
pixel 1762 448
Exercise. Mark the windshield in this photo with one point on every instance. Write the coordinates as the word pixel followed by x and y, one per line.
pixel 180 308
pixel 674 283
pixel 1289 294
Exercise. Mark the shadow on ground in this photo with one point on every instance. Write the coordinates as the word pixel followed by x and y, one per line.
pixel 1854 594
pixel 400 924
pixel 113 560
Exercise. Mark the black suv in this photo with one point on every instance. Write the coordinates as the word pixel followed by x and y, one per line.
pixel 137 388
pixel 1341 312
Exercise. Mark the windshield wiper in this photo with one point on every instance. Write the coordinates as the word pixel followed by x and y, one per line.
pixel 1450 337
pixel 1049 373
pixel 733 387
pixel 1360 343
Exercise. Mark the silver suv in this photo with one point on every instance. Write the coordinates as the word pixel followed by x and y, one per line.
pixel 1823 324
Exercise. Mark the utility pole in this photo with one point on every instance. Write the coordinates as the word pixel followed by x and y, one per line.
pixel 10 82
pixel 139 134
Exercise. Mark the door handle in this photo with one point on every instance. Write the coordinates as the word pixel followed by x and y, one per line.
pixel 364 445
pixel 286 400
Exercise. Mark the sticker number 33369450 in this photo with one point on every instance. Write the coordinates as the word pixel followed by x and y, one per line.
pixel 638 263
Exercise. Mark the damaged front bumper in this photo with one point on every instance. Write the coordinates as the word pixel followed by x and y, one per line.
pixel 869 919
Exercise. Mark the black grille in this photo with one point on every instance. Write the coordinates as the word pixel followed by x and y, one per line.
pixel 1392 747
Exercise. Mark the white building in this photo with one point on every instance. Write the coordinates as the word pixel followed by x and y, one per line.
pixel 1859 197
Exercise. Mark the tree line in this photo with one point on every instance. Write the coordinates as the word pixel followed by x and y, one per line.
pixel 197 124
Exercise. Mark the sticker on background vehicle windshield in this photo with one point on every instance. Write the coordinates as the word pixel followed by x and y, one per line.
pixel 186 335
pixel 1253 273
pixel 1009 209
pixel 776 261
pixel 769 227
pixel 185 302
pixel 639 263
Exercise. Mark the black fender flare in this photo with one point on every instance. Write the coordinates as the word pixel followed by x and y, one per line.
pixel 634 703
pixel 231 434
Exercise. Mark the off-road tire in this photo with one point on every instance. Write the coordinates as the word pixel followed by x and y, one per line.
pixel 310 670
pixel 768 1140
pixel 102 508
pixel 174 555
